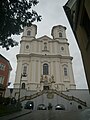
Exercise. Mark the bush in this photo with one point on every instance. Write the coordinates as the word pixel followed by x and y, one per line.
pixel 1 99
pixel 10 108
pixel 6 101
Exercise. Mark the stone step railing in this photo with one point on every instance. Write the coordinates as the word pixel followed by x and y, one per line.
pixel 31 96
pixel 70 98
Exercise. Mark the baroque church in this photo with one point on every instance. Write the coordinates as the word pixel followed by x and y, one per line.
pixel 44 63
pixel 44 71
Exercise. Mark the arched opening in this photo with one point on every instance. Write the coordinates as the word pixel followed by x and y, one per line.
pixel 65 71
pixel 28 32
pixel 25 70
pixel 45 69
pixel 79 107
pixel 45 46
pixel 60 34
pixel 23 85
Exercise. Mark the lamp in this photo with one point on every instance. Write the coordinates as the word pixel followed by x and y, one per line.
pixel 22 75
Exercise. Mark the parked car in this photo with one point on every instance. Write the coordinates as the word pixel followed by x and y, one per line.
pixel 59 107
pixel 29 105
pixel 41 107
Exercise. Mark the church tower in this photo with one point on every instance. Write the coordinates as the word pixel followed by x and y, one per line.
pixel 44 63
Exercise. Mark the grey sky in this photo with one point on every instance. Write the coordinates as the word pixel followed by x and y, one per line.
pixel 52 14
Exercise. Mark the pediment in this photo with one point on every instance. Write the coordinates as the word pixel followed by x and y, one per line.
pixel 45 37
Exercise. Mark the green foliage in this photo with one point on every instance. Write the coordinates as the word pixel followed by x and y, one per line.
pixel 14 15
pixel 9 105
pixel 6 101
pixel 9 109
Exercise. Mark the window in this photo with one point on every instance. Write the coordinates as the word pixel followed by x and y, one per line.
pixel 46 88
pixel 45 46
pixel 65 71
pixel 79 107
pixel 27 46
pixel 28 32
pixel 2 66
pixel 1 79
pixel 23 85
pixel 60 34
pixel 62 48
pixel 25 70
pixel 45 69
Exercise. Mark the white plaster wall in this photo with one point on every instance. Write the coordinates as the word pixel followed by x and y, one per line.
pixel 35 59
pixel 80 94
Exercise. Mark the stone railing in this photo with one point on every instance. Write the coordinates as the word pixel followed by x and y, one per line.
pixel 70 98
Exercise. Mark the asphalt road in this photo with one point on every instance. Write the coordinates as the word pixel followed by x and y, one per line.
pixel 52 115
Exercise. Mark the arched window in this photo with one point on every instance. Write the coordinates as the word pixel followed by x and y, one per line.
pixel 23 85
pixel 25 70
pixel 28 32
pixel 60 34
pixel 45 46
pixel 79 107
pixel 62 48
pixel 65 71
pixel 45 69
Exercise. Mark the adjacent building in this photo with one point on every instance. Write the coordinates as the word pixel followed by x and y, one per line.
pixel 78 14
pixel 5 69
pixel 44 63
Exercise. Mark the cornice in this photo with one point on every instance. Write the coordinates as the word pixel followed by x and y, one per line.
pixel 49 40
pixel 44 56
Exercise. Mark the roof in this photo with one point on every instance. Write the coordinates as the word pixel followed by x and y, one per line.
pixel 1 56
pixel 44 37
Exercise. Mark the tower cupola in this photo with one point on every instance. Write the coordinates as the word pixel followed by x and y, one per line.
pixel 30 32
pixel 58 32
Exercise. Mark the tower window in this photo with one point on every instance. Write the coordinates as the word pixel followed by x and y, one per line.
pixel 23 85
pixel 27 46
pixel 62 48
pixel 60 34
pixel 24 70
pixel 45 69
pixel 45 46
pixel 28 32
pixel 65 71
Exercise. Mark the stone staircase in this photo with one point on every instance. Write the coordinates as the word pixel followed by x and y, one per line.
pixel 67 97
pixel 70 98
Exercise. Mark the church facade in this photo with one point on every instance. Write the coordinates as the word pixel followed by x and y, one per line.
pixel 44 63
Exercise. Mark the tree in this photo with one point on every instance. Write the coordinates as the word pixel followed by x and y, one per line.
pixel 14 15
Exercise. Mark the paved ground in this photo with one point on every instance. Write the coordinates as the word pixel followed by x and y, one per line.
pixel 16 115
pixel 49 115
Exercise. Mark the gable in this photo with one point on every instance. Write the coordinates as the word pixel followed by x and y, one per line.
pixel 44 38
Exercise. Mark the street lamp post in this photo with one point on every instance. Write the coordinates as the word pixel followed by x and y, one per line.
pixel 11 91
pixel 19 88
pixel 22 75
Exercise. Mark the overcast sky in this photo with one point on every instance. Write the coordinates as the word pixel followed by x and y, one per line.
pixel 52 14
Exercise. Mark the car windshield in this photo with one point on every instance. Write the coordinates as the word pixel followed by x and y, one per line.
pixel 60 105
pixel 41 105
